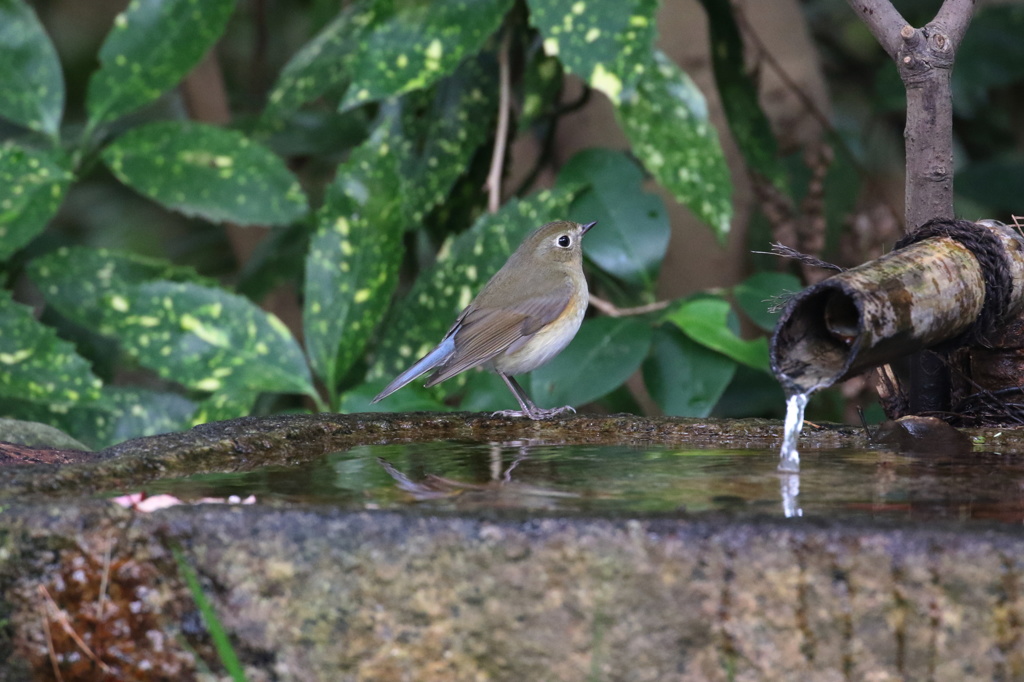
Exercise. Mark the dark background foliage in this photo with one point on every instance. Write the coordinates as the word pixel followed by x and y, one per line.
pixel 224 208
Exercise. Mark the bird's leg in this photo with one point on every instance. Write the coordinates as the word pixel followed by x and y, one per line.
pixel 529 409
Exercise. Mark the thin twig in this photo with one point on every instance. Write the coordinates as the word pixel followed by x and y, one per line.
pixel 501 134
pixel 612 310
pixel 62 618
pixel 44 614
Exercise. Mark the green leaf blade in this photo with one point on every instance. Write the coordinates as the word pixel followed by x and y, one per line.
pixel 80 281
pixel 413 45
pixel 351 274
pixel 738 92
pixel 218 174
pixel 225 405
pixel 36 365
pixel 32 186
pixel 207 339
pixel 138 412
pixel 353 261
pixel 174 322
pixel 151 47
pixel 605 43
pixel 120 413
pixel 685 378
pixel 632 230
pixel 404 170
pixel 33 84
pixel 442 139
pixel 664 115
pixel 667 124
pixel 320 65
pixel 706 321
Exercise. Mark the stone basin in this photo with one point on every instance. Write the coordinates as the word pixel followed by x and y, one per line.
pixel 424 591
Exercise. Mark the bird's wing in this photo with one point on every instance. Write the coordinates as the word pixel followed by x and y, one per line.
pixel 482 333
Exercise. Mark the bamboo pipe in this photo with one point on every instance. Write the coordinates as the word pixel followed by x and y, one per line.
pixel 917 297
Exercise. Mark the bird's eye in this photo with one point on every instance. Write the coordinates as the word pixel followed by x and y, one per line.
pixel 564 241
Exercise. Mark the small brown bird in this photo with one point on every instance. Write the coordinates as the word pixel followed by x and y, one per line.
pixel 524 316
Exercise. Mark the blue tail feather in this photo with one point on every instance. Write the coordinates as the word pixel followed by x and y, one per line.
pixel 429 361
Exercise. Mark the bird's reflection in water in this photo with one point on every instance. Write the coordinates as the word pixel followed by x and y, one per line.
pixel 500 488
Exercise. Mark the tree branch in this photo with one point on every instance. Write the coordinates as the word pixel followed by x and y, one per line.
pixel 953 18
pixel 612 310
pixel 501 134
pixel 884 22
pixel 924 58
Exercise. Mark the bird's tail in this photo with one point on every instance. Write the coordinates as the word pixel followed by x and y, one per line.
pixel 442 352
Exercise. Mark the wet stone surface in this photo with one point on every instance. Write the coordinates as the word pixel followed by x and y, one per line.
pixel 361 557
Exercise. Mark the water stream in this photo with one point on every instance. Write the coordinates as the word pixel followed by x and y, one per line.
pixel 789 456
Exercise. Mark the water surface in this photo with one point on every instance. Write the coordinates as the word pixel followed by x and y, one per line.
pixel 615 480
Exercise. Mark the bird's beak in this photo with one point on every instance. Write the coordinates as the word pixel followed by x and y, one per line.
pixel 587 227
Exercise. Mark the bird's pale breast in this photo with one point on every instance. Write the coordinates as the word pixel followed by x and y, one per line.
pixel 534 351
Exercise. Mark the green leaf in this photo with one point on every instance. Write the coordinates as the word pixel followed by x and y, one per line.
pixel 420 147
pixel 605 352
pixel 738 93
pixel 706 321
pixel 632 226
pixel 685 378
pixel 421 318
pixel 411 45
pixel 218 634
pixel 666 121
pixel 33 85
pixel 36 365
pixel 32 186
pixel 225 405
pixel 664 115
pixel 764 290
pixel 152 46
pixel 444 134
pixel 206 339
pixel 354 257
pixel 137 412
pixel 77 281
pixel 122 413
pixel 199 336
pixel 321 64
pixel 542 87
pixel 607 43
pixel 218 174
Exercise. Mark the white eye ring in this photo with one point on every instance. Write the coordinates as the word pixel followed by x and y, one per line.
pixel 564 241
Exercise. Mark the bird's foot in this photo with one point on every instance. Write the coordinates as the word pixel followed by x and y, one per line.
pixel 536 413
